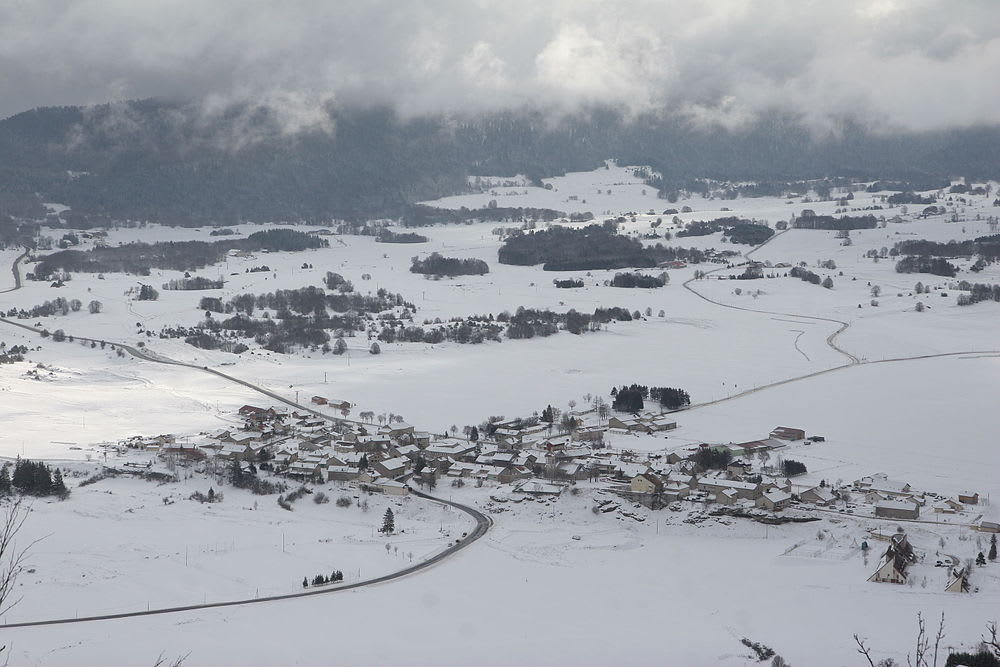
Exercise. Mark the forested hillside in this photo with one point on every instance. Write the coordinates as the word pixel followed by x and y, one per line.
pixel 172 162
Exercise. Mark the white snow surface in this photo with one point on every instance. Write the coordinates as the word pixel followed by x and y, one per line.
pixel 659 591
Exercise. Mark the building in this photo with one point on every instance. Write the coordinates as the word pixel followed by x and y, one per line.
pixel 788 433
pixel 393 468
pixel 774 500
pixel 958 582
pixel 646 482
pixel 897 559
pixel 748 490
pixel 897 509
pixel 968 498
pixel 818 495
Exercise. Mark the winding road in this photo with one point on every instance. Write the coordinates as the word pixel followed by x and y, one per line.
pixel 483 524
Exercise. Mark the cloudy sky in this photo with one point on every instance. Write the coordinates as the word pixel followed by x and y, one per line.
pixel 908 63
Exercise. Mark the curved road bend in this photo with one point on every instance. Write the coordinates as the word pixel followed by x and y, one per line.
pixel 483 524
pixel 829 339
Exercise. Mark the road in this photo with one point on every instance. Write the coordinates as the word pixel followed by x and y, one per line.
pixel 483 524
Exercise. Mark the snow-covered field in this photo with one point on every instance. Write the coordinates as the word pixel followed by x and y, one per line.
pixel 657 592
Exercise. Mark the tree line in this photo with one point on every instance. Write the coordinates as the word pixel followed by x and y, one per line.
pixel 631 398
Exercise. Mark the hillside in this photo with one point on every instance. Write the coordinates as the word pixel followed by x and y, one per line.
pixel 175 163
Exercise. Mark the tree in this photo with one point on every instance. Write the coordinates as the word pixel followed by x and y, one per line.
pixel 388 522
pixel 981 559
pixel 919 307
pixel 305 582
pixel 828 282
pixel 58 485
pixel 993 547
pixel 474 434
pixel 375 349
pixel 11 556
pixel 339 347
pixel 5 486
pixel 236 474
pixel 876 291
pixel 363 462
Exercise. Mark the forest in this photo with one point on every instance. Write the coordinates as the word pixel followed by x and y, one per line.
pixel 436 264
pixel 140 258
pixel 593 247
pixel 175 166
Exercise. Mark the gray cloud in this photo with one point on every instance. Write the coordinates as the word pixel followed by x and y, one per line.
pixel 917 64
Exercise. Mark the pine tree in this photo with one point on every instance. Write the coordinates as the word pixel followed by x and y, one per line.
pixel 474 434
pixel 305 582
pixel 5 485
pixel 58 485
pixel 388 522
pixel 363 462
pixel 236 474
pixel 993 547
pixel 980 559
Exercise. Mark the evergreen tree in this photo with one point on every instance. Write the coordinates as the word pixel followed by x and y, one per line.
pixel 5 485
pixel 363 462
pixel 305 582
pixel 58 486
pixel 211 494
pixel 388 522
pixel 236 474
pixel 993 547
pixel 474 434
pixel 980 559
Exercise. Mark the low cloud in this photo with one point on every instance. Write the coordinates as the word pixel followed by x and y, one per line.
pixel 915 64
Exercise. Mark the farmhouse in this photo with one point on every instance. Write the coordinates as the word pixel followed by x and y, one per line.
pixel 968 498
pixel 646 483
pixel 748 490
pixel 897 509
pixel 818 495
pixel 788 433
pixel 774 500
pixel 393 468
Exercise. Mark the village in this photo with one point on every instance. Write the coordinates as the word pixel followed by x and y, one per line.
pixel 528 460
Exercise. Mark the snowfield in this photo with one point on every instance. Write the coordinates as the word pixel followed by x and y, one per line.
pixel 911 394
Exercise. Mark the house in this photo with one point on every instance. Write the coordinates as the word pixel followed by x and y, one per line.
pixel 588 434
pixel 393 468
pixel 738 468
pixel 897 509
pixel 989 527
pixel 661 423
pixel 536 488
pixel 726 496
pixel 341 473
pixel 646 482
pixel 338 404
pixel 882 484
pixel 958 582
pixel 748 490
pixel 319 400
pixel 774 500
pixel 895 562
pixel 818 495
pixel 788 433
pixel 630 424
pixel 948 506
pixel 397 429
pixel 387 486
pixel 969 498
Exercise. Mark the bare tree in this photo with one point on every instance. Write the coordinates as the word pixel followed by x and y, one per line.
pixel 11 555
